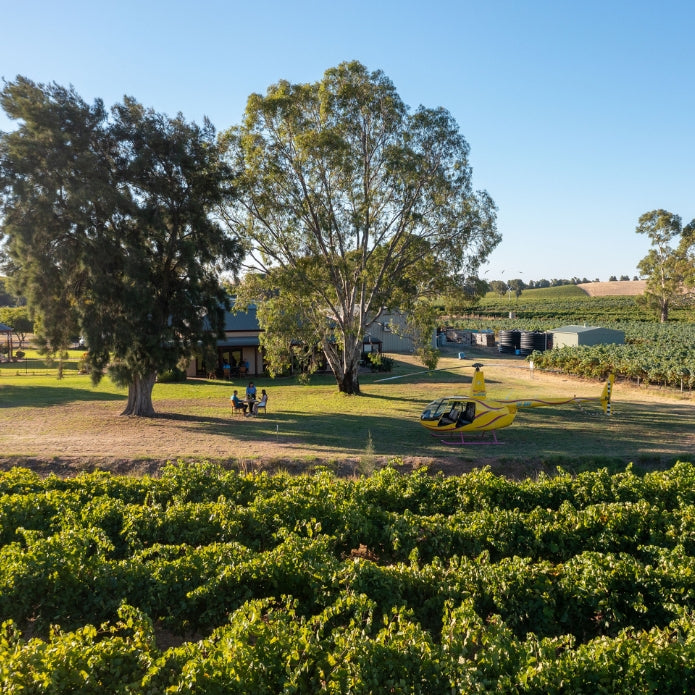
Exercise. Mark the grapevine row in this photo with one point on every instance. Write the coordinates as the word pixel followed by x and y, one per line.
pixel 393 583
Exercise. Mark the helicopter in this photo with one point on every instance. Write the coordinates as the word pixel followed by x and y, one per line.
pixel 461 415
pixel 453 418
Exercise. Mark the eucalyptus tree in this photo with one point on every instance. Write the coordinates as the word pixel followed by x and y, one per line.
pixel 669 267
pixel 108 228
pixel 349 203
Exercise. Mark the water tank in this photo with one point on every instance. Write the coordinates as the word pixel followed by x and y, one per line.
pixel 533 340
pixel 509 341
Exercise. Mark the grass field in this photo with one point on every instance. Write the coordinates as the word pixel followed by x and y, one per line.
pixel 58 425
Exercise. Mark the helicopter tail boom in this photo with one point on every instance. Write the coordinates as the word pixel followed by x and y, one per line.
pixel 606 395
pixel 604 399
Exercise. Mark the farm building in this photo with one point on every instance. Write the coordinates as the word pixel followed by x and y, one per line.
pixel 573 336
pixel 389 331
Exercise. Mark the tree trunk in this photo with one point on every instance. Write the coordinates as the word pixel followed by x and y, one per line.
pixel 349 382
pixel 664 313
pixel 140 396
pixel 345 365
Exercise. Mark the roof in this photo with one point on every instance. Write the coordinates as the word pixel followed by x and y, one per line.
pixel 242 320
pixel 4 328
pixel 578 329
pixel 250 340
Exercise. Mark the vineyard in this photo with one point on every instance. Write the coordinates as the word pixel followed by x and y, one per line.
pixel 205 580
pixel 653 353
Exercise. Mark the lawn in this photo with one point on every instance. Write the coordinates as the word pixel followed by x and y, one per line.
pixel 49 420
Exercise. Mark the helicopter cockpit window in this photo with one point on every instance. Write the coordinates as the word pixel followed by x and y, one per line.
pixel 435 410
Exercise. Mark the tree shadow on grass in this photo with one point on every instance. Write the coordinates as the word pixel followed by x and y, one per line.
pixel 203 421
pixel 339 432
pixel 633 433
pixel 46 396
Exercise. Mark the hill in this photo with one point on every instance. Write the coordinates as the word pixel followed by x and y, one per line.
pixel 620 288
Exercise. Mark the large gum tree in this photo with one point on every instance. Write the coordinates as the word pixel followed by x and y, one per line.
pixel 349 203
pixel 669 267
pixel 108 228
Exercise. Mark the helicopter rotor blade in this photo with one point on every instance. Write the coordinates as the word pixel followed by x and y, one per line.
pixel 425 371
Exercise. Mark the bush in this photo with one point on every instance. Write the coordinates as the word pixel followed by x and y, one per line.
pixel 174 375
pixel 377 362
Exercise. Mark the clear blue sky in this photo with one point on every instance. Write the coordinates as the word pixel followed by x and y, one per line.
pixel 580 115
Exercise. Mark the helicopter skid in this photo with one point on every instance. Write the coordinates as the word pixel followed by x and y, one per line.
pixel 460 441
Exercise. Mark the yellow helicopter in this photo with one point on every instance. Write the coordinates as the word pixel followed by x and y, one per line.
pixel 459 416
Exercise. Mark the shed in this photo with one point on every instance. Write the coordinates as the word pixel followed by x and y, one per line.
pixel 390 329
pixel 573 336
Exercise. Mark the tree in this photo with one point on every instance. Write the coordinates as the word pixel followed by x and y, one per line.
pixel 18 318
pixel 516 286
pixel 351 203
pixel 464 294
pixel 499 287
pixel 669 270
pixel 6 299
pixel 109 232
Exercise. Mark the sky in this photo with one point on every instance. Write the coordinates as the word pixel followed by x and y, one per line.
pixel 580 116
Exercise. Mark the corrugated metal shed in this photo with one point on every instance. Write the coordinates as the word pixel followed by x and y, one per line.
pixel 573 336
pixel 390 330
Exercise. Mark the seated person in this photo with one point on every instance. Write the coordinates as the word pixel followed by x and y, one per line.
pixel 238 403
pixel 250 392
pixel 262 403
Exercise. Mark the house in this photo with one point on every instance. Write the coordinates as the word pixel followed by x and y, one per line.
pixel 241 349
pixel 238 353
pixel 573 336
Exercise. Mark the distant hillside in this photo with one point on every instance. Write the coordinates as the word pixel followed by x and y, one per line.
pixel 620 288
pixel 623 288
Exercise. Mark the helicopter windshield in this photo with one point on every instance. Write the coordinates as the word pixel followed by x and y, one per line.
pixel 435 409
pixel 450 410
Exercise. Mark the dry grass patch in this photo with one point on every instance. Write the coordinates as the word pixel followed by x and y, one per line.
pixel 620 288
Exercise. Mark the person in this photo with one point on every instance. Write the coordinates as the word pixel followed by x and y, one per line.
pixel 262 403
pixel 250 392
pixel 238 403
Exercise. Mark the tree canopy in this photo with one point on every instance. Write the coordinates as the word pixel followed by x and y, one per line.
pixel 668 268
pixel 349 203
pixel 109 233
